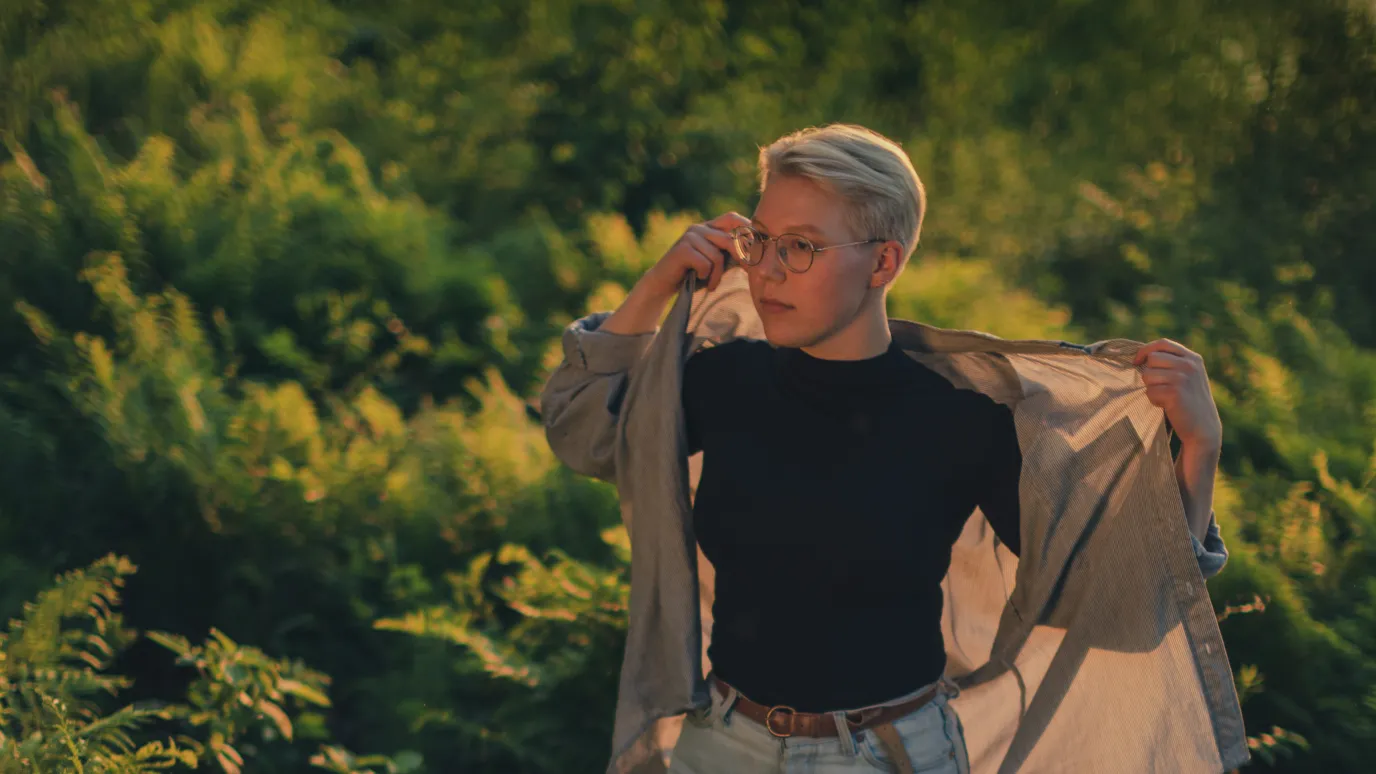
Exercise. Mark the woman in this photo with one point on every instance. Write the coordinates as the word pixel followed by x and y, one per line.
pixel 827 650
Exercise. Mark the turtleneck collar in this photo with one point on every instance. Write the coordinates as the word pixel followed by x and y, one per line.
pixel 880 369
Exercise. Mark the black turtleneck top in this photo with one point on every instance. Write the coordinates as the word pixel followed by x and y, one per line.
pixel 831 494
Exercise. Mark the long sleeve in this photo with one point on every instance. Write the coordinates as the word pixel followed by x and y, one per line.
pixel 581 402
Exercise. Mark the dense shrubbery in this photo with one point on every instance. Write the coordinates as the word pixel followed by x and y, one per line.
pixel 279 279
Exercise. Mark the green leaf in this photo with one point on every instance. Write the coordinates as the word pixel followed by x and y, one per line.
pixel 304 692
pixel 277 716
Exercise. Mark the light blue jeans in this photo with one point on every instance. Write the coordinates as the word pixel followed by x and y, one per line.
pixel 717 741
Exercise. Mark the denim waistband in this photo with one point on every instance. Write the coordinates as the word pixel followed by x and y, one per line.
pixel 941 681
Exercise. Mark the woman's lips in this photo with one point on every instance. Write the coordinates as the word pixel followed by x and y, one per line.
pixel 769 305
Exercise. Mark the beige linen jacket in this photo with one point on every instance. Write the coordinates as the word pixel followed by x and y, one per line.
pixel 1097 651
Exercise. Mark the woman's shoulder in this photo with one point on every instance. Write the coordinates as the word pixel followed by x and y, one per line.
pixel 732 354
pixel 733 362
pixel 715 373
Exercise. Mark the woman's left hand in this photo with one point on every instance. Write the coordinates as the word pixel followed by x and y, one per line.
pixel 1177 382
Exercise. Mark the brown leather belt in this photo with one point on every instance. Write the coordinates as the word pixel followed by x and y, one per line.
pixel 783 721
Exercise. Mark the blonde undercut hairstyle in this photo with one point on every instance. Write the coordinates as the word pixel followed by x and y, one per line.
pixel 871 173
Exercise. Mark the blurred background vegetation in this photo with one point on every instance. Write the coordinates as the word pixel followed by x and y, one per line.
pixel 279 280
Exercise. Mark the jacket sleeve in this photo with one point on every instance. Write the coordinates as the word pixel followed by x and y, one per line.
pixel 1212 553
pixel 581 403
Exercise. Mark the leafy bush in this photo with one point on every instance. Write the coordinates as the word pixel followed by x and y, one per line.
pixel 54 685
pixel 279 279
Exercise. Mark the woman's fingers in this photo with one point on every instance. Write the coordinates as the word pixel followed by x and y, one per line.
pixel 721 239
pixel 1165 347
pixel 1161 376
pixel 1166 360
pixel 727 221
pixel 707 247
pixel 708 251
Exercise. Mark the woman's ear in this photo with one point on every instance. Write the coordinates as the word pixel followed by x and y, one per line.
pixel 888 262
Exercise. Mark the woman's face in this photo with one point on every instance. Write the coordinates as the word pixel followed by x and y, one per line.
pixel 803 310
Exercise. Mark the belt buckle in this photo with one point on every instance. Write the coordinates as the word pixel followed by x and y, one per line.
pixel 769 718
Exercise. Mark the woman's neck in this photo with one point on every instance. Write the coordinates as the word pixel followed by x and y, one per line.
pixel 864 337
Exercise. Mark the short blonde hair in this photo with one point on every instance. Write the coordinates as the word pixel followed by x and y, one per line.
pixel 869 171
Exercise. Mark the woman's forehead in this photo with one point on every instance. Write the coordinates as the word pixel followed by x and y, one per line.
pixel 805 229
pixel 797 206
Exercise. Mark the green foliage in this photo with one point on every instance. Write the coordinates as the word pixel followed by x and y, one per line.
pixel 279 279
pixel 338 760
pixel 231 230
pixel 343 504
pixel 971 294
pixel 236 688
pixel 55 685
pixel 52 663
pixel 542 634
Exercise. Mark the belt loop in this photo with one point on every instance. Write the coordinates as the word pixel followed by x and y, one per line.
pixel 723 706
pixel 949 686
pixel 844 734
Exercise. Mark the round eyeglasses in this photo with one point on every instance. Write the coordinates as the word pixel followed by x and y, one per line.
pixel 795 251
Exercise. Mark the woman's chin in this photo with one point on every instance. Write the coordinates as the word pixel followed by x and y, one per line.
pixel 782 336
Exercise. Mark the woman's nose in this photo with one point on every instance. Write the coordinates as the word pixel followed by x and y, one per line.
pixel 770 267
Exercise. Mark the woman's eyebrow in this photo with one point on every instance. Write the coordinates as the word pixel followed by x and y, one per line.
pixel 801 228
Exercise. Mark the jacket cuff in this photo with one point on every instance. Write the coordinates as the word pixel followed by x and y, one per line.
pixel 1211 552
pixel 599 352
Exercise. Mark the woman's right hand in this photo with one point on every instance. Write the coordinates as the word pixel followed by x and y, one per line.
pixel 703 249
